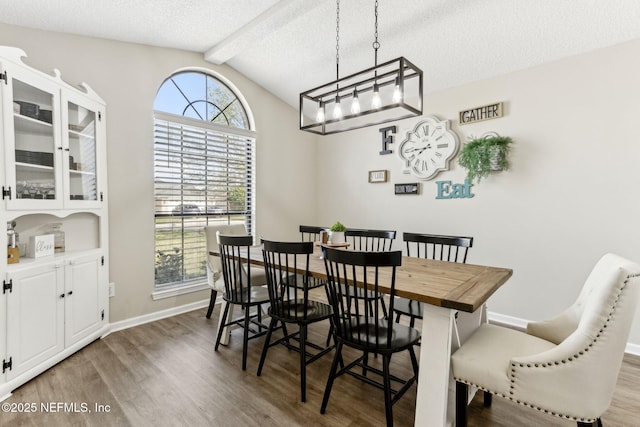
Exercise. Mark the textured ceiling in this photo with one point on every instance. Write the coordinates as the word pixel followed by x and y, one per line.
pixel 288 46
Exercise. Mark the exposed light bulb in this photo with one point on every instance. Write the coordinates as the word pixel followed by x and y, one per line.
pixel 375 100
pixel 320 113
pixel 355 104
pixel 337 109
pixel 397 94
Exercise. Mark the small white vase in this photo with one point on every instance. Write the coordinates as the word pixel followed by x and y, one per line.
pixel 336 237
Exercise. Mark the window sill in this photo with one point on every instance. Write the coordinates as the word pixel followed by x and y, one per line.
pixel 179 290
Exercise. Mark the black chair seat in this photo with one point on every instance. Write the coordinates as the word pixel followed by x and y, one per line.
pixel 259 295
pixel 372 335
pixel 299 282
pixel 296 311
pixel 359 293
pixel 408 307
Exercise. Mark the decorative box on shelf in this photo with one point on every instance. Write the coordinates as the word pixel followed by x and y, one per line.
pixel 41 246
pixel 13 255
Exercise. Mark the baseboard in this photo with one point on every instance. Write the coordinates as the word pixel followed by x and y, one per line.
pixel 162 314
pixel 633 349
pixel 521 325
pixel 508 321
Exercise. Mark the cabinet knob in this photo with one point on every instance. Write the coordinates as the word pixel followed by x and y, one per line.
pixel 61 295
pixel 69 293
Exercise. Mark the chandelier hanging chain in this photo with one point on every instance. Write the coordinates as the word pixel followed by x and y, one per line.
pixel 376 45
pixel 337 39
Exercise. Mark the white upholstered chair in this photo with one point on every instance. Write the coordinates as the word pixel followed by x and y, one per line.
pixel 214 267
pixel 567 366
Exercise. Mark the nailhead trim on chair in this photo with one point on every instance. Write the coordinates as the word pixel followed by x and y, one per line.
pixel 544 365
pixel 567 417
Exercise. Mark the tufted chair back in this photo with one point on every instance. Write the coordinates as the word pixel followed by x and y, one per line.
pixel 566 366
pixel 214 266
pixel 591 337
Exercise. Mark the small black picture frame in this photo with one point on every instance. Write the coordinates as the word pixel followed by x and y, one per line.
pixel 408 188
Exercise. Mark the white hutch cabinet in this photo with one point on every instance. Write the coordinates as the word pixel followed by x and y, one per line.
pixel 54 179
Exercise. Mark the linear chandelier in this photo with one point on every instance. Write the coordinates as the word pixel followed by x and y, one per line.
pixel 383 93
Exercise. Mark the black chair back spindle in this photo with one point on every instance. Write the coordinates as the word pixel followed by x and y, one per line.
pixel 370 240
pixel 236 282
pixel 311 233
pixel 443 248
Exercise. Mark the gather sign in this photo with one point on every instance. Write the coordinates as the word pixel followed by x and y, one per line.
pixel 478 114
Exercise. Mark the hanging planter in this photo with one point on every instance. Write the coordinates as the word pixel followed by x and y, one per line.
pixel 481 156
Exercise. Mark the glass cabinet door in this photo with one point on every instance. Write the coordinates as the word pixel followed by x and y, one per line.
pixel 83 142
pixel 32 144
pixel 54 142
pixel 82 153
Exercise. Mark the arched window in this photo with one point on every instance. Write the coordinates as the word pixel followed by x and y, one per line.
pixel 202 97
pixel 204 151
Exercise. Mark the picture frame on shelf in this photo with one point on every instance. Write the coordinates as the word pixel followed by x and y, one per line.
pixel 378 176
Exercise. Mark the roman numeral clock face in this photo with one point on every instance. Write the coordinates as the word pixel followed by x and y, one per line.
pixel 428 148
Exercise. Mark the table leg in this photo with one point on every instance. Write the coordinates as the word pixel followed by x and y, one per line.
pixel 226 332
pixel 433 377
pixel 443 331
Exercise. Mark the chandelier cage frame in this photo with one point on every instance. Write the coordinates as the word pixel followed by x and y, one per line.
pixel 380 94
pixel 397 72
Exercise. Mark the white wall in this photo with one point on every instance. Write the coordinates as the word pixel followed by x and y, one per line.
pixel 127 77
pixel 570 196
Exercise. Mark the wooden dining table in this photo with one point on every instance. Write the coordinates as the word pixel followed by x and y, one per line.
pixel 453 297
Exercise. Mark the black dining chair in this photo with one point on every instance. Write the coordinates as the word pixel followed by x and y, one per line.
pixel 430 246
pixel 215 278
pixel 370 240
pixel 238 290
pixel 311 233
pixel 290 302
pixel 360 328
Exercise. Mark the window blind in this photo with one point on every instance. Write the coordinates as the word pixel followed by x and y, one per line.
pixel 203 175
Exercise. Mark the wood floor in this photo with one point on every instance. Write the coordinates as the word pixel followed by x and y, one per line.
pixel 166 374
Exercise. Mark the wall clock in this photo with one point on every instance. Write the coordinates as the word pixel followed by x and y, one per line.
pixel 427 149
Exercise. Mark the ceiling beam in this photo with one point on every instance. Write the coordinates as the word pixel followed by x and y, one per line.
pixel 272 19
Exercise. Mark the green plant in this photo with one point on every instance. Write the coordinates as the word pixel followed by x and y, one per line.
pixel 480 156
pixel 338 226
pixel 236 199
pixel 168 266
